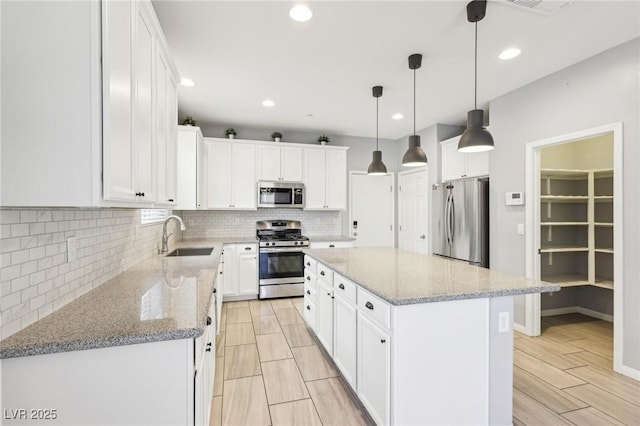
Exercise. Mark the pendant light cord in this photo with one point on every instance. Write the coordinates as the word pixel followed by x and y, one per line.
pixel 377 99
pixel 475 76
pixel 414 101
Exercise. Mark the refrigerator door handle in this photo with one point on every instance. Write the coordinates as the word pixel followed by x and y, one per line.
pixel 452 220
pixel 447 217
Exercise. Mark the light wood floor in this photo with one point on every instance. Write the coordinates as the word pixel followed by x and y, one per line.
pixel 269 370
pixel 565 376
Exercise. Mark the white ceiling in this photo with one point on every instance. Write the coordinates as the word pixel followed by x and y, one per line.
pixel 240 53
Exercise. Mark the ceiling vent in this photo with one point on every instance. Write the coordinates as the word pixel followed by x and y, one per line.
pixel 541 7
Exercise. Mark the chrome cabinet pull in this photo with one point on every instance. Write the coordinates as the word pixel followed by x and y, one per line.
pixel 341 286
pixel 369 305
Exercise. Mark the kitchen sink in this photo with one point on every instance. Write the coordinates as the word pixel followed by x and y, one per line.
pixel 191 251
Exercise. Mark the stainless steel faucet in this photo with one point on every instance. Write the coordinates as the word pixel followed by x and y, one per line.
pixel 165 237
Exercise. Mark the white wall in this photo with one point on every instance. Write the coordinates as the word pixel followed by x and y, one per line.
pixel 601 90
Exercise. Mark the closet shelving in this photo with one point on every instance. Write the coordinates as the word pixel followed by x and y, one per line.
pixel 576 227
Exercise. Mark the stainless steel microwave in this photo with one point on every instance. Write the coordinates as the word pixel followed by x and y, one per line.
pixel 277 194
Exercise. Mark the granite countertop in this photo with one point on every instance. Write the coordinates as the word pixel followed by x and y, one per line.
pixel 161 298
pixel 323 238
pixel 402 278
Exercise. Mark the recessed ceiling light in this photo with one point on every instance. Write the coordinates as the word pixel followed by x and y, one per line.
pixel 187 82
pixel 397 116
pixel 509 53
pixel 268 103
pixel 300 13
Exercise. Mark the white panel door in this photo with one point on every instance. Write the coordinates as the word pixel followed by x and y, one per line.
pixel 315 178
pixel 372 207
pixel 291 164
pixel 268 163
pixel 118 147
pixel 336 191
pixel 144 103
pixel 247 265
pixel 244 177
pixel 413 211
pixel 219 175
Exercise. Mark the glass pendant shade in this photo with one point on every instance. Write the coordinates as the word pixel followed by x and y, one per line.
pixel 415 156
pixel 475 138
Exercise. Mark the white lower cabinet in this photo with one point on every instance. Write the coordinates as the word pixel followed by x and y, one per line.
pixel 168 382
pixel 240 271
pixel 324 322
pixel 374 365
pixel 344 337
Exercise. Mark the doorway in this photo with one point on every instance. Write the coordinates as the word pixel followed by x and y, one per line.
pixel 574 198
pixel 413 211
pixel 371 209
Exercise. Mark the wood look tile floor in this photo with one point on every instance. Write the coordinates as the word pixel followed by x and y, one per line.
pixel 271 371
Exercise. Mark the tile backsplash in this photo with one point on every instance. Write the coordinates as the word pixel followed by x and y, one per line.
pixel 221 224
pixel 35 276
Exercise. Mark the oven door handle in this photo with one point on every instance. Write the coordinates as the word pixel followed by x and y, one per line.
pixel 281 249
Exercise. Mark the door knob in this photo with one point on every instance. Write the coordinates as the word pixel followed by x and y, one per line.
pixel 422 237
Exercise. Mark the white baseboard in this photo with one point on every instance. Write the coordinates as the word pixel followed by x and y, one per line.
pixel 629 372
pixel 520 328
pixel 576 309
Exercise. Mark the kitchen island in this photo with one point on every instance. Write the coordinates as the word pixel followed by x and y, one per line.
pixel 420 339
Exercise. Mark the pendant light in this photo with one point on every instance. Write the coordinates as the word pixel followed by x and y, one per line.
pixel 475 138
pixel 415 156
pixel 377 167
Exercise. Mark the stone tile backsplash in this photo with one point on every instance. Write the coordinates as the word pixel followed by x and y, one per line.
pixel 221 224
pixel 35 276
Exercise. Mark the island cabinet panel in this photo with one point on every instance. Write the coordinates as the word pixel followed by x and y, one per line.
pixel 324 324
pixel 374 369
pixel 415 363
pixel 344 335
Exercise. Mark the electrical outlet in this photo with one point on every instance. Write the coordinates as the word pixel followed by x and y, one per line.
pixel 503 322
pixel 71 249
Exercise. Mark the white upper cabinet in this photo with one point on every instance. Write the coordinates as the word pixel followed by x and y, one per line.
pixel 230 175
pixel 189 145
pixel 279 163
pixel 138 85
pixel 167 129
pixel 51 112
pixel 325 178
pixel 457 165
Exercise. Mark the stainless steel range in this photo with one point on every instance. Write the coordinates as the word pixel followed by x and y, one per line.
pixel 281 261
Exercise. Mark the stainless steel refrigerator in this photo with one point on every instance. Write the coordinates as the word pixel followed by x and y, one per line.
pixel 461 220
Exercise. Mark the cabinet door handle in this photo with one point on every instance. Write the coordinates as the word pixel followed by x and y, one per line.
pixel 369 305
pixel 171 200
pixel 341 286
pixel 208 350
pixel 209 344
pixel 332 245
pixel 382 341
pixel 308 263
pixel 308 292
pixel 208 320
pixel 308 278
pixel 247 248
pixel 215 290
pixel 322 273
pixel 308 308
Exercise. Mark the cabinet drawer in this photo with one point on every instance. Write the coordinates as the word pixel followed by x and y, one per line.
pixel 310 291
pixel 310 278
pixel 344 287
pixel 330 244
pixel 325 274
pixel 374 307
pixel 246 248
pixel 310 263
